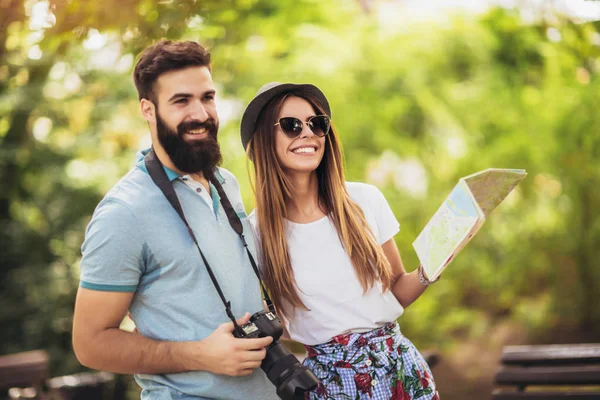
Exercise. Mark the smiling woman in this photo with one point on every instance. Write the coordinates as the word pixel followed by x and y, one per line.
pixel 327 250
pixel 299 145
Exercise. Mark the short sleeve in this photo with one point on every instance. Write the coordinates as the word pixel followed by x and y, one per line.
pixel 232 189
pixel 112 252
pixel 254 224
pixel 387 224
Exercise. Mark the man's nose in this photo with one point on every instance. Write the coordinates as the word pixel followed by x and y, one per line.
pixel 198 112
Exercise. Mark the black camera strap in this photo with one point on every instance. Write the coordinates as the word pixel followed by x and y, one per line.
pixel 237 226
pixel 159 177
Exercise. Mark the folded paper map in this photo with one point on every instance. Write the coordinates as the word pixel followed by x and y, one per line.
pixel 461 215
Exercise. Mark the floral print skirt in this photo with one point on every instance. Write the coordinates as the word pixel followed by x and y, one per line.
pixel 379 364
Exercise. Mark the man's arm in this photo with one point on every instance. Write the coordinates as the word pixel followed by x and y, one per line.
pixel 100 344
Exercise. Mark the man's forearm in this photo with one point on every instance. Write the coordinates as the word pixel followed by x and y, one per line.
pixel 122 352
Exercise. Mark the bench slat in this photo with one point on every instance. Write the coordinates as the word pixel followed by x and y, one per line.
pixel 502 395
pixel 23 369
pixel 552 354
pixel 431 357
pixel 567 375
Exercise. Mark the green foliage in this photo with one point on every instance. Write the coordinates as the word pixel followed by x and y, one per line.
pixel 418 106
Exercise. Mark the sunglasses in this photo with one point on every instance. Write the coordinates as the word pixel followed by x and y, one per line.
pixel 292 126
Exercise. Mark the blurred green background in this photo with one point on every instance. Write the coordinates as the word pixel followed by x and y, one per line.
pixel 420 98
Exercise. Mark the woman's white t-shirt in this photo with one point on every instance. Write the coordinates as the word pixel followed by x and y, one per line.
pixel 327 283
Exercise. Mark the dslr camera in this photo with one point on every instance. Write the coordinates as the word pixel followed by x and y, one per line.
pixel 290 377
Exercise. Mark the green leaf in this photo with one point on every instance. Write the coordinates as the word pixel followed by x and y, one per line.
pixel 359 359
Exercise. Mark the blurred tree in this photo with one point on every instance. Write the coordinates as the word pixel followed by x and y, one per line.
pixel 66 137
pixel 419 104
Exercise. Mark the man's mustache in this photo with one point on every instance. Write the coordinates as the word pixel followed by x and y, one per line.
pixel 187 126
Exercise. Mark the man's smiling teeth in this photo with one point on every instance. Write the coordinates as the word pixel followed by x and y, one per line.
pixel 304 150
pixel 197 131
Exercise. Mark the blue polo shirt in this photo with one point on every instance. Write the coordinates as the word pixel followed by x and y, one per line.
pixel 137 243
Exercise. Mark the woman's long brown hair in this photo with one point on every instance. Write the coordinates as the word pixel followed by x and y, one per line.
pixel 272 189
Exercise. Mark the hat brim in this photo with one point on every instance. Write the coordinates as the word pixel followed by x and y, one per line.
pixel 259 102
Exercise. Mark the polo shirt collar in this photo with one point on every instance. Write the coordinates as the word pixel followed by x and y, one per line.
pixel 172 175
pixel 139 162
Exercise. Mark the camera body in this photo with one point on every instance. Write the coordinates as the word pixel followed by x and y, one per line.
pixel 261 324
pixel 290 377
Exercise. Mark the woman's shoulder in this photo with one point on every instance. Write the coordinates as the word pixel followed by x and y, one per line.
pixel 252 217
pixel 367 196
pixel 253 223
pixel 362 191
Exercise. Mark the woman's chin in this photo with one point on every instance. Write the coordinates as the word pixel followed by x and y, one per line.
pixel 300 169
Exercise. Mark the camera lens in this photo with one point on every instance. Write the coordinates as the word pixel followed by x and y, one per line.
pixel 290 377
pixel 283 369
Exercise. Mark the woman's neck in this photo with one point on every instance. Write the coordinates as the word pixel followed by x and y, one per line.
pixel 304 205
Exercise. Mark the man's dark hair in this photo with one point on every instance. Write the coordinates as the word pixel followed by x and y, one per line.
pixel 164 56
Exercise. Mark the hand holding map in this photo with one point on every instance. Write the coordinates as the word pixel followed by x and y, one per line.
pixel 461 215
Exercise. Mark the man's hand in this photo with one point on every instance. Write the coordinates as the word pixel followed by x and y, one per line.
pixel 224 354
pixel 100 344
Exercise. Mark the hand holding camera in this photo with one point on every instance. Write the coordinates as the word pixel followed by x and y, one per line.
pixel 225 354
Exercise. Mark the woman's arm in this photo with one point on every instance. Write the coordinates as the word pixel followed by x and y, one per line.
pixel 405 286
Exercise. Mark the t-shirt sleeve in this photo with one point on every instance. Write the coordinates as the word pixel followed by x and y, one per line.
pixel 112 252
pixel 254 224
pixel 387 224
pixel 232 189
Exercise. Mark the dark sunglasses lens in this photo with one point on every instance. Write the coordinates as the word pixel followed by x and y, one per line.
pixel 320 125
pixel 291 126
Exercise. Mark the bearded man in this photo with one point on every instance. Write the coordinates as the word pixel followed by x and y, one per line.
pixel 139 257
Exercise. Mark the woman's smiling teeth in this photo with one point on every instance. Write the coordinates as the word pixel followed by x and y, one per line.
pixel 304 150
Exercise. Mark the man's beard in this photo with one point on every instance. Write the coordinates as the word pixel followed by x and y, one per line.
pixel 198 156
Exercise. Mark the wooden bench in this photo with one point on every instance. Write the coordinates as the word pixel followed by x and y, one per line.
pixel 432 357
pixel 28 393
pixel 83 386
pixel 26 376
pixel 28 369
pixel 549 372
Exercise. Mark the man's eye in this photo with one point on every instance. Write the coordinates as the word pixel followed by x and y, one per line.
pixel 209 98
pixel 181 101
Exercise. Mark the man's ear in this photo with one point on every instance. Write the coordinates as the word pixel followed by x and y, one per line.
pixel 148 111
